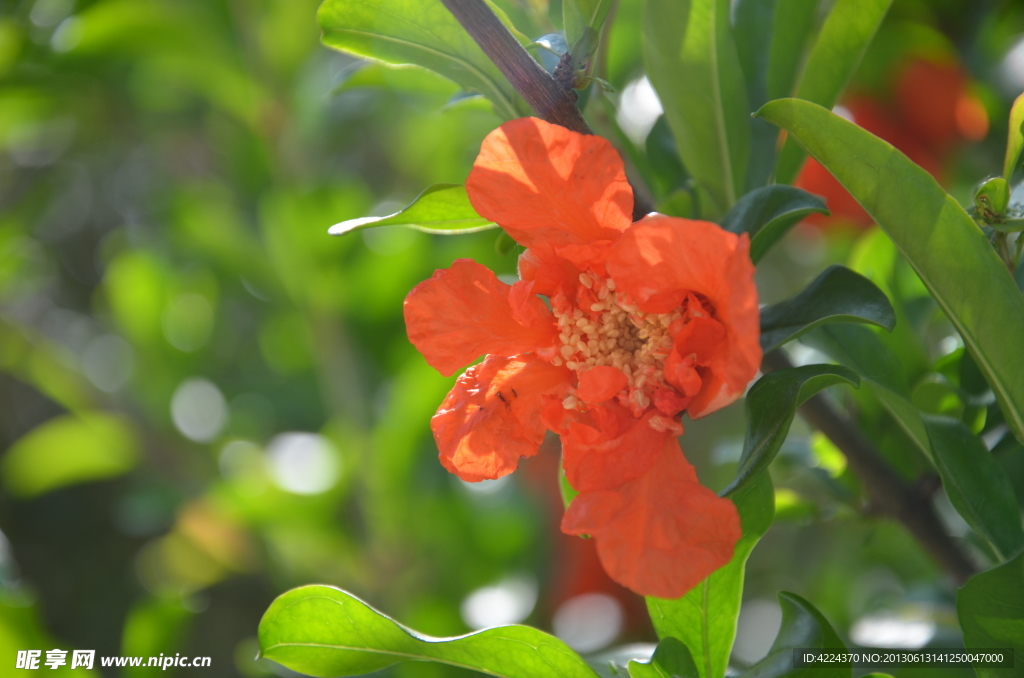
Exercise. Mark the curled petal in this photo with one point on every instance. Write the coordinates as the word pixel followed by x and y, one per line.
pixel 662 261
pixel 463 312
pixel 549 187
pixel 492 416
pixel 662 533
pixel 609 446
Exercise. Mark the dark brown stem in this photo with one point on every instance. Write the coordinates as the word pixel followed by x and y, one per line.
pixel 550 99
pixel 888 493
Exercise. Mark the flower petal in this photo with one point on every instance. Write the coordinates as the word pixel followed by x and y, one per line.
pixel 601 383
pixel 463 312
pixel 492 416
pixel 662 533
pixel 660 261
pixel 608 446
pixel 549 187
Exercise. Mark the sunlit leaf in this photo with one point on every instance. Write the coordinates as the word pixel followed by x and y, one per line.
pixel 771 406
pixel 977 486
pixel 1015 138
pixel 324 631
pixel 67 450
pixel 802 626
pixel 421 32
pixel 441 208
pixel 991 611
pixel 837 295
pixel 692 63
pixel 766 214
pixel 837 51
pixel 671 659
pixel 705 618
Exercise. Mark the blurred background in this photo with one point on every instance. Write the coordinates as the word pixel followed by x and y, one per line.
pixel 205 400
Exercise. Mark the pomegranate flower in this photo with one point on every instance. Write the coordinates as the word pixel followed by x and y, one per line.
pixel 647 320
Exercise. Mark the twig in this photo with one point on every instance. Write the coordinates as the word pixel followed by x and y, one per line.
pixel 550 99
pixel 889 494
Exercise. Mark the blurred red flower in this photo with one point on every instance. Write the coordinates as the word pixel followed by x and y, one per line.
pixel 646 321
pixel 933 110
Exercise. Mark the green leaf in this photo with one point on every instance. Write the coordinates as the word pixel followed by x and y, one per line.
pixel 692 62
pixel 976 484
pixel 705 618
pixel 838 295
pixel 1015 138
pixel 442 208
pixel 323 631
pixel 766 214
pixel 802 626
pixel 421 32
pixel 837 51
pixel 794 25
pixel 67 450
pixel 861 350
pixel 991 611
pixel 671 659
pixel 752 26
pixel 580 15
pixel 771 405
pixel 935 235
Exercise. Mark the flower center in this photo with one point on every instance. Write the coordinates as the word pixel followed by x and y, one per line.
pixel 606 328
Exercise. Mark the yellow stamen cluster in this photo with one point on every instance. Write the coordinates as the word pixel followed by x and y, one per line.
pixel 613 331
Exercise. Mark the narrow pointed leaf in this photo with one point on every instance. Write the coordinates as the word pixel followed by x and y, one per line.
pixel 861 350
pixel 579 15
pixel 753 25
pixel 802 626
pixel 794 26
pixel 838 295
pixel 421 32
pixel 1015 138
pixel 771 405
pixel 936 236
pixel 766 214
pixel 692 62
pixel 705 618
pixel 976 484
pixel 323 631
pixel 837 51
pixel 991 611
pixel 671 659
pixel 442 208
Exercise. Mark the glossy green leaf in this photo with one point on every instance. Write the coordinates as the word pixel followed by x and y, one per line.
pixel 991 611
pixel 323 631
pixel 421 32
pixel 935 235
pixel 442 208
pixel 837 51
pixel 771 405
pixel 791 34
pixel 1015 138
pixel 692 63
pixel 753 27
pixel 579 15
pixel 976 484
pixel 861 350
pixel 705 618
pixel 766 214
pixel 802 626
pixel 838 295
pixel 67 450
pixel 671 659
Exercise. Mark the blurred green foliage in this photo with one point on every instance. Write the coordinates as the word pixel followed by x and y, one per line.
pixel 206 401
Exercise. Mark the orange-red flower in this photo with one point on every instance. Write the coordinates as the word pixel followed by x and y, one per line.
pixel 646 320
